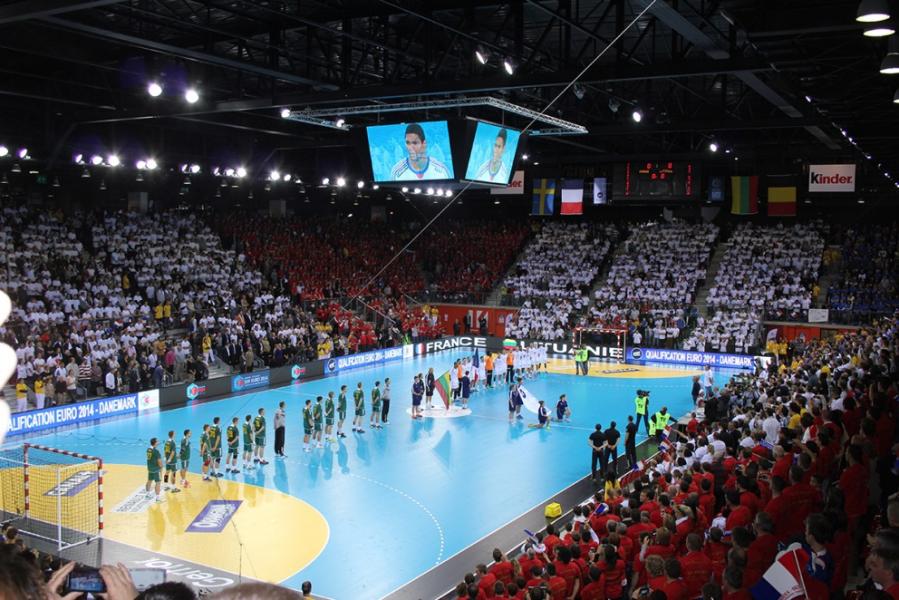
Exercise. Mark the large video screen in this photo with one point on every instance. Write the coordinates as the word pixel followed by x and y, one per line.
pixel 410 151
pixel 655 180
pixel 492 154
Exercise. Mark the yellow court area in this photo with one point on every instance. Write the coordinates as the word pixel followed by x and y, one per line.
pixel 565 366
pixel 265 520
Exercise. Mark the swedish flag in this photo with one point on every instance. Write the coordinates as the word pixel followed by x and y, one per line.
pixel 544 197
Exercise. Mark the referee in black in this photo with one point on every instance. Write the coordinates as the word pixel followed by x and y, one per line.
pixel 597 441
pixel 280 424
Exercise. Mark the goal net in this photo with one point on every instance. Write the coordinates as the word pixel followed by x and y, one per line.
pixel 603 341
pixel 52 494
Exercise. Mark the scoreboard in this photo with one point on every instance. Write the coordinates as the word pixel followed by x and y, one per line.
pixel 655 180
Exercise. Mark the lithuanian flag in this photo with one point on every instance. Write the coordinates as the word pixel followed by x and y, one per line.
pixel 782 201
pixel 745 195
pixel 444 389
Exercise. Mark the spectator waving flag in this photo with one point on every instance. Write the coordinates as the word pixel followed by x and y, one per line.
pixel 572 196
pixel 444 389
pixel 544 197
pixel 783 579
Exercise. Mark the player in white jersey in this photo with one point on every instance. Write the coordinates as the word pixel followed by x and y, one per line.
pixel 418 166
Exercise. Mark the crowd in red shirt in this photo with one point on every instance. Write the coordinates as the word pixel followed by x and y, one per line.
pixel 708 518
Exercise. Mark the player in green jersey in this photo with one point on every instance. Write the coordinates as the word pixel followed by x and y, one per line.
pixel 329 417
pixel 318 420
pixel 259 437
pixel 154 465
pixel 215 447
pixel 307 424
pixel 185 458
pixel 248 443
pixel 205 451
pixel 359 405
pixel 341 411
pixel 374 422
pixel 170 450
pixel 233 433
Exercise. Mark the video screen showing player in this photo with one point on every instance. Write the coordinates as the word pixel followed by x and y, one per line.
pixel 492 154
pixel 410 151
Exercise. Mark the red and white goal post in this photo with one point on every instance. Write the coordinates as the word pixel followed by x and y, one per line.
pixel 52 494
pixel 604 341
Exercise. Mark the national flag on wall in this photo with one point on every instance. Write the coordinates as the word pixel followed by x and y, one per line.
pixel 782 201
pixel 745 195
pixel 572 196
pixel 599 191
pixel 544 197
pixel 444 389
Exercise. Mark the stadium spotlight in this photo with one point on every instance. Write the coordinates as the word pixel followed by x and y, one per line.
pixel 154 89
pixel 340 122
pixel 524 157
pixel 360 184
pixel 96 160
pixel 326 180
pixel 152 164
pixel 78 159
pixel 285 112
pixel 286 177
pixel 896 97
pixel 637 115
pixel 229 172
pixel 191 95
pixel 140 165
pixel 481 56
pixel 195 169
pixel 4 151
pixel 879 30
pixel 416 191
pixel 890 64
pixel 22 153
pixel 216 171
pixel 376 187
pixel 713 146
pixel 113 161
pixel 872 11
pixel 448 193
pixel 404 189
pixel 274 176
pixel 508 66
pixel 241 172
pixel 341 181
pixel 430 191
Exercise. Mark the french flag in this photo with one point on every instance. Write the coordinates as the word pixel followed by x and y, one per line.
pixel 572 196
pixel 783 579
pixel 664 446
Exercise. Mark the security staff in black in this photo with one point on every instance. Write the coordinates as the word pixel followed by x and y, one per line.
pixel 641 405
pixel 597 442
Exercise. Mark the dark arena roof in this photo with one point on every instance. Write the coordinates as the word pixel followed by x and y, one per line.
pixel 775 85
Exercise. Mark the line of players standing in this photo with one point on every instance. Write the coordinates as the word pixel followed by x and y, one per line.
pixel 254 429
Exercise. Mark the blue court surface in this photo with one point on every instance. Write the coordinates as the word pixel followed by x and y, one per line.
pixel 400 500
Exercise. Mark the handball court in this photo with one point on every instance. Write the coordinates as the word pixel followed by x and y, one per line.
pixel 376 514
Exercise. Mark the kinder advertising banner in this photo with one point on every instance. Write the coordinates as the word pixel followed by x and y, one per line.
pixel 687 357
pixel 515 187
pixel 831 178
pixel 363 359
pixel 72 414
pixel 249 381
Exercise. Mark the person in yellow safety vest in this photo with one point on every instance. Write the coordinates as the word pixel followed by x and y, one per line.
pixel 641 404
pixel 585 360
pixel 651 426
pixel 661 419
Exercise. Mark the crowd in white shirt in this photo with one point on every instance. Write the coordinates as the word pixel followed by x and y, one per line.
pixel 554 274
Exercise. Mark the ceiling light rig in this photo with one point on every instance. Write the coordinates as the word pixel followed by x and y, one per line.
pixel 872 11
